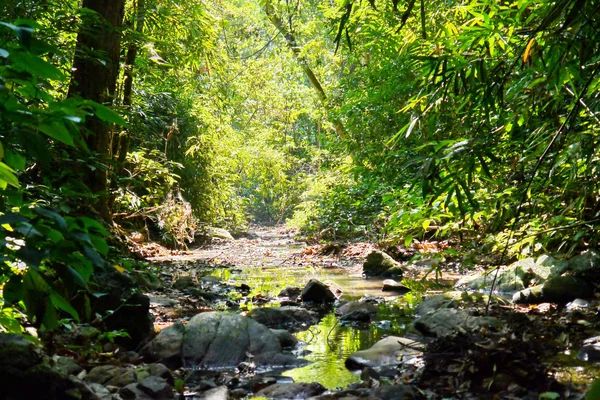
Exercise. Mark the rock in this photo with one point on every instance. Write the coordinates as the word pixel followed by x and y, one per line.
pixel 218 393
pixel 394 392
pixel 133 392
pixel 590 351
pixel 156 387
pixel 166 347
pixel 111 375
pixel 284 317
pixel 24 375
pixel 433 303
pixel 391 350
pixel 585 265
pixel 353 306
pixel 390 285
pixel 286 339
pixel 292 390
pixel 291 292
pixel 146 279
pixel 134 317
pixel 317 292
pixel 17 352
pixel 91 391
pixel 559 289
pixel 66 365
pixel 446 321
pixel 577 305
pixel 215 340
pixel 379 263
pixel 184 282
pixel 517 276
pixel 357 316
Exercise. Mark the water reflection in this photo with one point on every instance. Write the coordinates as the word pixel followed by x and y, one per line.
pixel 329 342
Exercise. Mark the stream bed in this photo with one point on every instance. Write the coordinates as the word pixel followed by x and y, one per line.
pixel 328 343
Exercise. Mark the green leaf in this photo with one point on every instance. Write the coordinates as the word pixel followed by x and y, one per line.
pixel 61 303
pixel 8 175
pixel 57 130
pixel 14 160
pixel 53 215
pixel 594 391
pixel 50 319
pixel 13 290
pixel 100 244
pixel 106 114
pixel 408 240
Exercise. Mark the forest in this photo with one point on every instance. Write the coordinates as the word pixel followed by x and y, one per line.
pixel 160 143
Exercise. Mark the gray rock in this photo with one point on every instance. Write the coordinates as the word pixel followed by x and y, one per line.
pixel 163 302
pixel 290 292
pixel 218 393
pixel 559 289
pixel 577 305
pixel 433 303
pixel 446 321
pixel 390 285
pixel 17 352
pixel 133 392
pixel 284 317
pixel 357 316
pixel 517 276
pixel 102 374
pixel 166 347
pixel 317 292
pixel 127 377
pixel 353 306
pixel 587 264
pixel 218 340
pixel 156 387
pixel 286 339
pixel 66 365
pixel 292 390
pixel 91 391
pixel 392 350
pixel 215 340
pixel 184 282
pixel 394 392
pixel 379 263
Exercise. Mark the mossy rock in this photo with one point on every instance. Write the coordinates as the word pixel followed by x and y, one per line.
pixel 559 289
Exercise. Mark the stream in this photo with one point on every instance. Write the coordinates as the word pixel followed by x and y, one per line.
pixel 274 261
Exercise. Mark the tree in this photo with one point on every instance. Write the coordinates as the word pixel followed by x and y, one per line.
pixel 95 72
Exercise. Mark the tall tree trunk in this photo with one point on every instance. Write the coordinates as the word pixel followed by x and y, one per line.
pixel 95 73
pixel 312 78
pixel 122 145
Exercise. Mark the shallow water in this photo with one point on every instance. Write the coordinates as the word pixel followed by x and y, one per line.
pixel 328 343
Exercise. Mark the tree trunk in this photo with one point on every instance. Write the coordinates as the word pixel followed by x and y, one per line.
pixel 122 146
pixel 95 73
pixel 312 78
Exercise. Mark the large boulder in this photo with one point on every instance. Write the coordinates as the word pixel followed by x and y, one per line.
pixel 517 276
pixel 559 289
pixel 217 340
pixel 24 375
pixel 389 351
pixel 289 317
pixel 446 321
pixel 317 292
pixel 379 263
pixel 292 390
